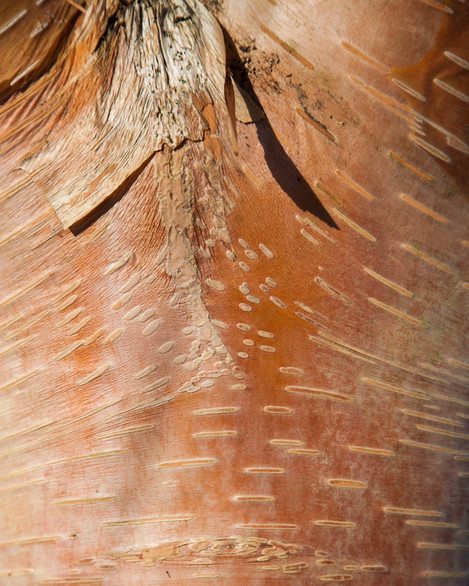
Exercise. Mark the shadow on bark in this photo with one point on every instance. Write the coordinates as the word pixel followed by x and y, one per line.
pixel 283 169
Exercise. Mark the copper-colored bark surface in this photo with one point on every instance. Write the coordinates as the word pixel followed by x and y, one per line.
pixel 233 252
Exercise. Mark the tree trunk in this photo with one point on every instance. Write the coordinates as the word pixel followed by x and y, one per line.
pixel 232 245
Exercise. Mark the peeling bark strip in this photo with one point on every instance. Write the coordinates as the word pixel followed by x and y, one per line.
pixel 104 206
pixel 210 370
pixel 156 67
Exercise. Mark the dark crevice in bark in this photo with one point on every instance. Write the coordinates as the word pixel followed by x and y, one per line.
pixel 115 20
pixel 181 12
pixel 102 208
pixel 283 169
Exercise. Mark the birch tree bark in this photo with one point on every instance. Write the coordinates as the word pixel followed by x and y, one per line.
pixel 233 255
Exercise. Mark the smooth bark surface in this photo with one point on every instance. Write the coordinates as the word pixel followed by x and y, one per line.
pixel 233 255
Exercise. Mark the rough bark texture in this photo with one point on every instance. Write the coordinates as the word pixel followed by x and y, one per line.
pixel 232 251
